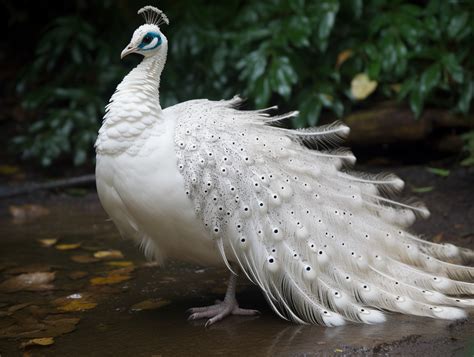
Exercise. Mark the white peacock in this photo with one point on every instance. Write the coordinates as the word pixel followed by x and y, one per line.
pixel 204 182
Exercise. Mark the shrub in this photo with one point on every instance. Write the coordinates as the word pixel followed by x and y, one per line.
pixel 296 53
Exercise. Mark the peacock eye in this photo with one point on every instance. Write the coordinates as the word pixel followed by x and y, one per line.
pixel 147 39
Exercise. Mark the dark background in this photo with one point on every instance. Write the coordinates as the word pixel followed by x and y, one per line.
pixel 60 64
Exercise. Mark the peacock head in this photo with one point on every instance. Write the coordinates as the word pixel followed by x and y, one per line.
pixel 148 40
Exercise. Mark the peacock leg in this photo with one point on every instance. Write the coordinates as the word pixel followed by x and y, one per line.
pixel 222 308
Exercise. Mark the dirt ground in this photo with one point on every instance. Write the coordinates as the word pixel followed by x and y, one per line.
pixel 69 286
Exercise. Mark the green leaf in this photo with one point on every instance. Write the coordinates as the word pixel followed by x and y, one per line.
pixel 373 69
pixel 469 161
pixel 389 53
pixel 417 102
pixel 298 31
pixel 453 67
pixel 262 92
pixel 457 23
pixel 467 94
pixel 325 27
pixel 407 87
pixel 357 7
pixel 430 78
pixel 438 171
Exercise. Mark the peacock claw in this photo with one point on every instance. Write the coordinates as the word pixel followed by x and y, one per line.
pixel 219 311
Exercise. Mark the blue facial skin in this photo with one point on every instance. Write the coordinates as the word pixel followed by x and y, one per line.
pixel 151 35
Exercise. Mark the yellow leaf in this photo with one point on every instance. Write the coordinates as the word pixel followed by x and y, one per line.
pixel 68 246
pixel 122 270
pixel 44 341
pixel 48 242
pixel 108 254
pixel 362 86
pixel 121 264
pixel 150 304
pixel 8 169
pixel 83 258
pixel 77 305
pixel 337 350
pixel 343 57
pixel 396 87
pixel 109 280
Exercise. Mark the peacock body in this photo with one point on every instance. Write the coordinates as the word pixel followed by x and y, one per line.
pixel 207 183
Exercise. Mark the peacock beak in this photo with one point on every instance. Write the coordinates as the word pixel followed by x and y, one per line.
pixel 127 50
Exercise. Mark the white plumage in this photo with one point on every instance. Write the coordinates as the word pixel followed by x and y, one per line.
pixel 207 183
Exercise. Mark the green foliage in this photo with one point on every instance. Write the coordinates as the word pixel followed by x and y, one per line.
pixel 71 77
pixel 295 53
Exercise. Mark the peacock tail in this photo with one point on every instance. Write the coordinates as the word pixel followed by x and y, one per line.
pixel 325 244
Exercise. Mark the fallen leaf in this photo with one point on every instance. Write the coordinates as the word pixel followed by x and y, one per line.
pixel 28 211
pixel 31 268
pixel 31 327
pixel 17 307
pixel 108 254
pixel 120 263
pixel 438 171
pixel 13 308
pixel 38 281
pixel 438 238
pixel 70 246
pixel 75 302
pixel 48 242
pixel 168 279
pixel 362 86
pixel 44 341
pixel 90 247
pixel 338 350
pixel 59 324
pixel 151 264
pixel 109 279
pixel 343 57
pixel 422 189
pixel 122 271
pixel 5 322
pixel 149 304
pixel 83 258
pixel 37 311
pixel 8 169
pixel 77 274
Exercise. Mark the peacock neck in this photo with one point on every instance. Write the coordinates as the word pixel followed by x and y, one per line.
pixel 146 76
pixel 134 110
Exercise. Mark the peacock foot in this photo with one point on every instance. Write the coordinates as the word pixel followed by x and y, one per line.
pixel 219 310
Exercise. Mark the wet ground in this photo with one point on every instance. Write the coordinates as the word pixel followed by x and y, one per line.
pixel 69 283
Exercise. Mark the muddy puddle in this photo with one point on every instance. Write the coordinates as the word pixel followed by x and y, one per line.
pixel 69 286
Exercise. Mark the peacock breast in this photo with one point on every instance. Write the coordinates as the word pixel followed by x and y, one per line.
pixel 150 190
